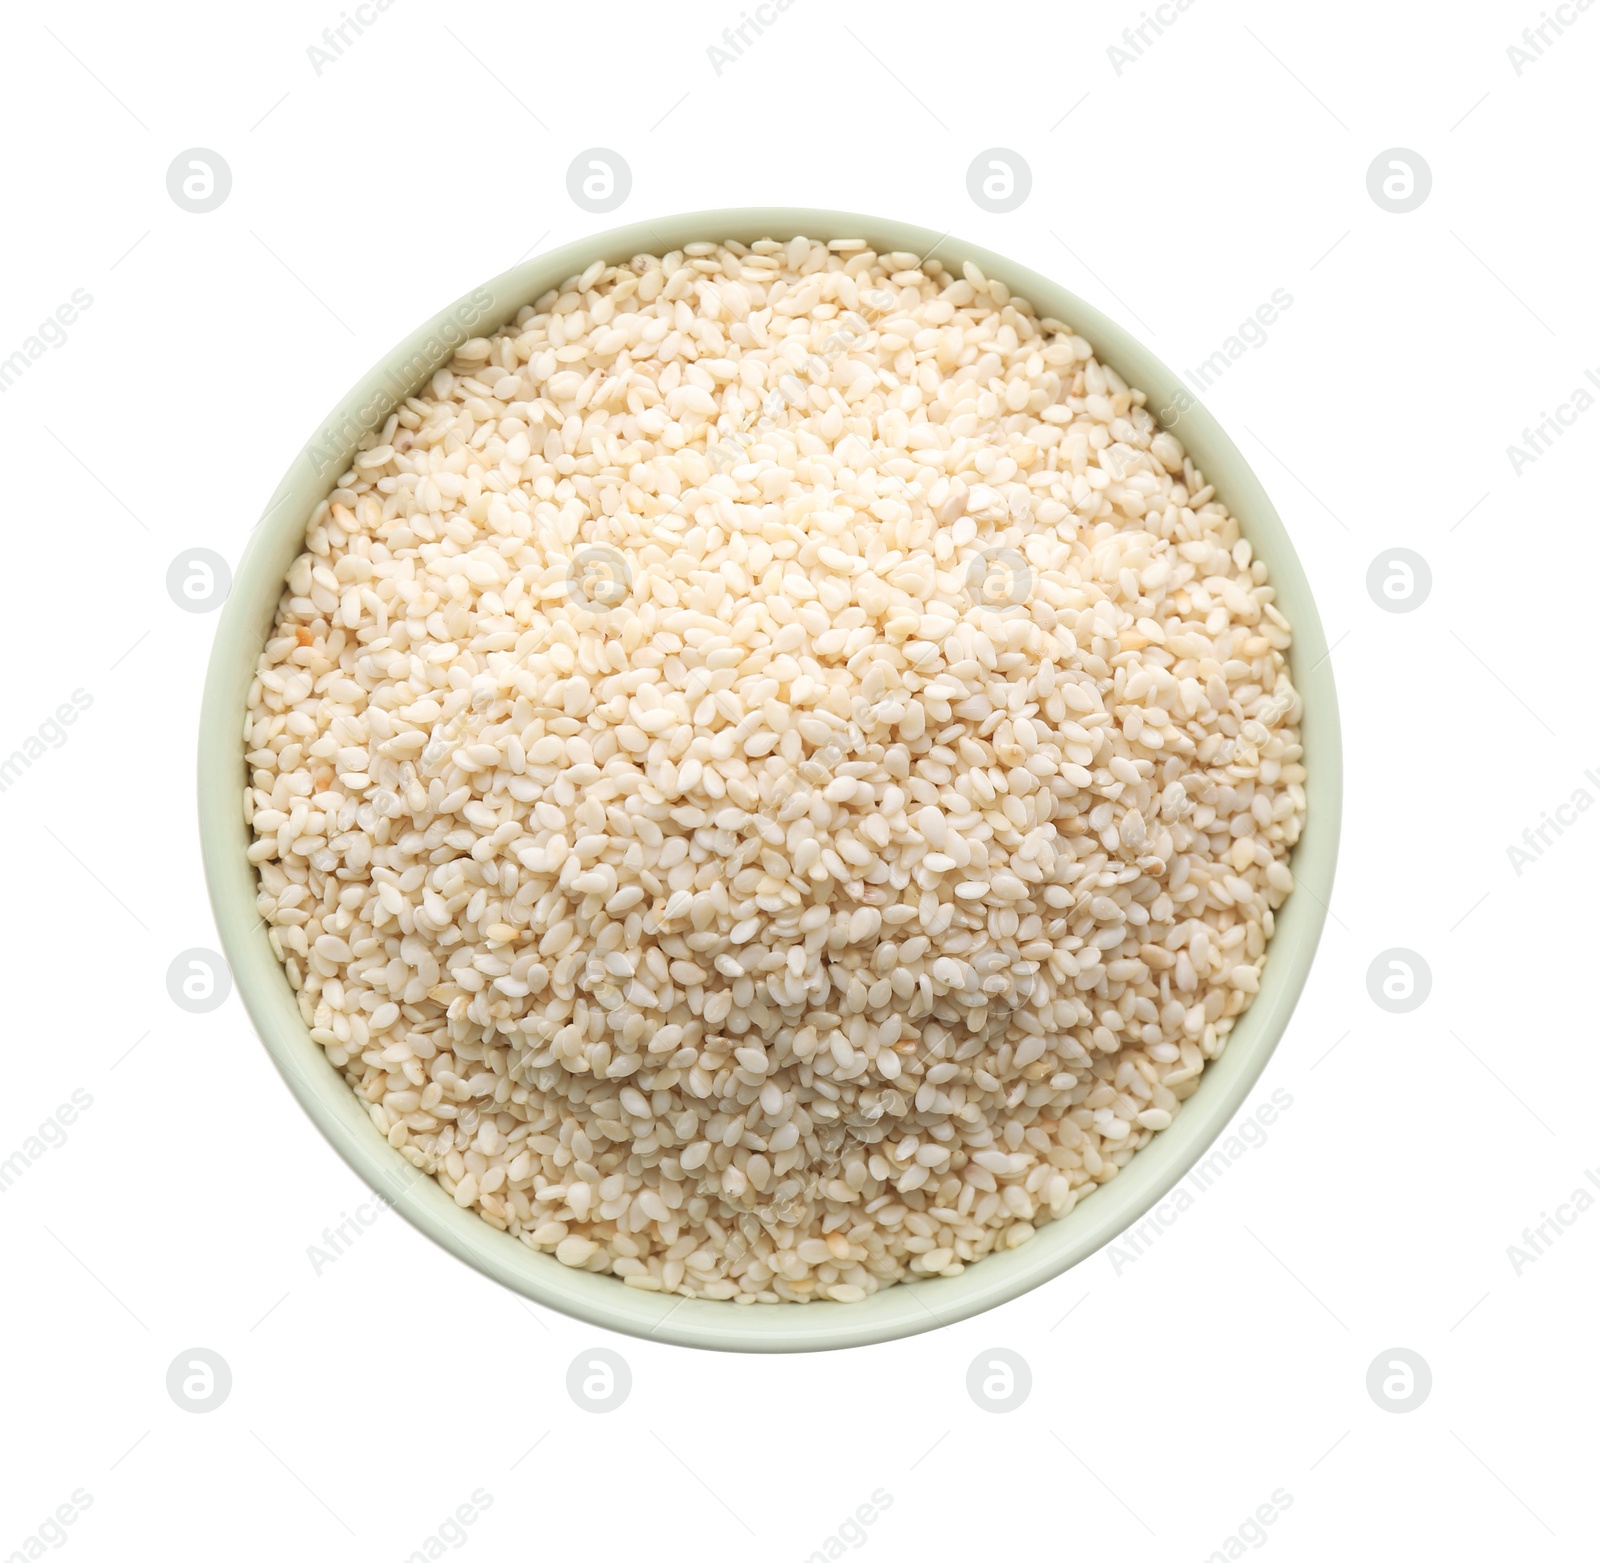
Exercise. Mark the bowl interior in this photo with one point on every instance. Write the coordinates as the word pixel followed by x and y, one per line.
pixel 900 1310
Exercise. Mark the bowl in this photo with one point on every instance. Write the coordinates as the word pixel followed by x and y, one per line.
pixel 604 1300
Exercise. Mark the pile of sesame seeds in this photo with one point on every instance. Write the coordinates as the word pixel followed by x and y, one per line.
pixel 773 774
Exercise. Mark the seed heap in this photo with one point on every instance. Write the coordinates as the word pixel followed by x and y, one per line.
pixel 773 776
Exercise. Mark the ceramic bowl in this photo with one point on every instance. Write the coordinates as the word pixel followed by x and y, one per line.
pixel 602 1300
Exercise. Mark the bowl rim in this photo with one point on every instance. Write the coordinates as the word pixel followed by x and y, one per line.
pixel 603 1300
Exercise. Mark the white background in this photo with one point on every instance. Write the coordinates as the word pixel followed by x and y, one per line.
pixel 1168 1400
